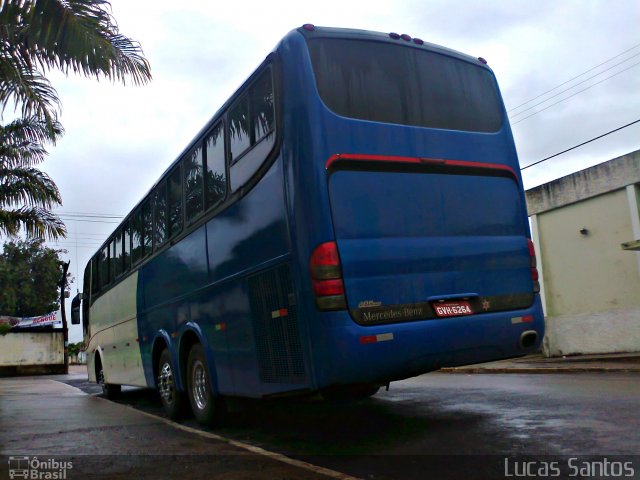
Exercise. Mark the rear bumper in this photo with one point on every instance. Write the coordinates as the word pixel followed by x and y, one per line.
pixel 346 352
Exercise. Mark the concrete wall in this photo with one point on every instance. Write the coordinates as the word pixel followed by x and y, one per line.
pixel 606 177
pixel 31 352
pixel 591 286
pixel 588 273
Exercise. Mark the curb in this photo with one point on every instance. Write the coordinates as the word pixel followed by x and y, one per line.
pixel 529 370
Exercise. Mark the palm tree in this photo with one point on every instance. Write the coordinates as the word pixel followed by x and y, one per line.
pixel 26 193
pixel 77 36
pixel 74 36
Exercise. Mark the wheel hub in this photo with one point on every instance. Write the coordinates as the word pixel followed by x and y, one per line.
pixel 166 386
pixel 199 377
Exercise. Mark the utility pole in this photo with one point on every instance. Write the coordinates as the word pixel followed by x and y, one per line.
pixel 63 314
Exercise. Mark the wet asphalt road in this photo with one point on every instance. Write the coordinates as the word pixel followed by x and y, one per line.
pixel 448 425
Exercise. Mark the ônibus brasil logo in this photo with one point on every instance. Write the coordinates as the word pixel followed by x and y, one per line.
pixel 33 468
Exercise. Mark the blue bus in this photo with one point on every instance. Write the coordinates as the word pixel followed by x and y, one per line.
pixel 353 215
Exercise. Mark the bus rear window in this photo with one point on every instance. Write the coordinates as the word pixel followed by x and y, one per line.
pixel 409 86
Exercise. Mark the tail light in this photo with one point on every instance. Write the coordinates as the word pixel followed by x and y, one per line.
pixel 326 277
pixel 535 277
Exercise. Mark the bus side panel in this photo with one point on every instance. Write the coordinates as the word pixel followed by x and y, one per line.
pixel 163 291
pixel 248 254
pixel 114 330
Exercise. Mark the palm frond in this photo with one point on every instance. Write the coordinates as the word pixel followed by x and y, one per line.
pixel 81 36
pixel 27 87
pixel 27 185
pixel 25 154
pixel 21 141
pixel 35 222
pixel 30 129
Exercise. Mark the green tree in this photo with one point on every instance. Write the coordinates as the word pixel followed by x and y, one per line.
pixel 74 348
pixel 29 277
pixel 73 36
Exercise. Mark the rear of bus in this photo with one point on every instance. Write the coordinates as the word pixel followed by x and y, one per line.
pixel 407 208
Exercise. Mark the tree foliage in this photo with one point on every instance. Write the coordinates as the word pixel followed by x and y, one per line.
pixel 26 193
pixel 30 275
pixel 75 348
pixel 73 36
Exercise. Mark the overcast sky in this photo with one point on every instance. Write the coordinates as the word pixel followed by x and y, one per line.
pixel 120 139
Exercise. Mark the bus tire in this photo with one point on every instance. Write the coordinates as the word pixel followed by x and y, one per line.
pixel 172 399
pixel 348 393
pixel 204 404
pixel 109 390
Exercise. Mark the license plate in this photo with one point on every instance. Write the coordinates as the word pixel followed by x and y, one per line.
pixel 452 309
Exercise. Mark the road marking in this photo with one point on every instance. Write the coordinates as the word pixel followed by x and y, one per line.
pixel 251 448
pixel 245 446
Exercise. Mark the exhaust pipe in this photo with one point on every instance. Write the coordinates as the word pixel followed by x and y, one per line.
pixel 528 339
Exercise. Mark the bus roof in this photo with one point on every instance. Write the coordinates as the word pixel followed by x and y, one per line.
pixel 311 31
pixel 308 31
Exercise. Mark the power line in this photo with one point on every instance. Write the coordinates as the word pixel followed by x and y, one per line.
pixel 578 76
pixel 72 241
pixel 67 247
pixel 574 86
pixel 93 234
pixel 90 213
pixel 573 95
pixel 90 221
pixel 579 145
pixel 84 239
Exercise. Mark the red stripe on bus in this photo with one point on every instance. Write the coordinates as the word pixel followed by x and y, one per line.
pixel 419 161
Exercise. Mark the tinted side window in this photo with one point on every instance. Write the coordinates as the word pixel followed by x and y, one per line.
pixel 216 178
pixel 86 283
pixel 160 214
pixel 147 228
pixel 175 202
pixel 262 111
pixel 127 247
pixel 104 267
pixel 112 252
pixel 239 132
pixel 261 134
pixel 95 279
pixel 193 180
pixel 136 236
pixel 118 255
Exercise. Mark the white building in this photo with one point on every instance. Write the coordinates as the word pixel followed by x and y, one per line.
pixel 584 227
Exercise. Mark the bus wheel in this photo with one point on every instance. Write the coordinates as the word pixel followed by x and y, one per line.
pixel 109 390
pixel 346 393
pixel 205 406
pixel 170 397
